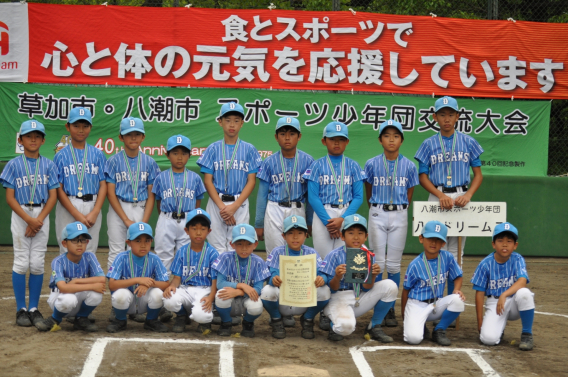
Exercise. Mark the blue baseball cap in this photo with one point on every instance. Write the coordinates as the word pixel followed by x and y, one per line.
pixel 138 229
pixel 198 212
pixel 74 230
pixel 446 102
pixel 80 113
pixel 244 232
pixel 178 141
pixel 130 124
pixel 288 121
pixel 390 123
pixel 505 227
pixel 294 222
pixel 351 220
pixel 231 107
pixel 435 229
pixel 31 126
pixel 336 129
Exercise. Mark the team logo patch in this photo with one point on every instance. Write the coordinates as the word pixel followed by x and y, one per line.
pixel 323 264
pixel 269 258
pixel 110 269
pixel 53 273
pixel 308 172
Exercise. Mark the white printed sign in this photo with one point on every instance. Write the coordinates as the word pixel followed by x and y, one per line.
pixel 14 42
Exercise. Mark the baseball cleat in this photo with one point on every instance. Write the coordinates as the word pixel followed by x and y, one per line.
pixel 289 321
pixel 204 328
pixel 179 323
pixel 225 329
pixel 377 333
pixel 324 322
pixel 216 318
pixel 527 342
pixel 426 333
pixel 236 320
pixel 390 319
pixel 83 323
pixel 278 330
pixel 439 336
pixel 116 326
pixel 165 315
pixel 70 319
pixel 155 325
pixel 248 329
pixel 307 328
pixel 35 317
pixel 23 318
pixel 48 324
pixel 332 335
pixel 140 318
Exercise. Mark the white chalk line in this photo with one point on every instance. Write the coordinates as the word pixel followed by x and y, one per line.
pixel 93 362
pixel 366 371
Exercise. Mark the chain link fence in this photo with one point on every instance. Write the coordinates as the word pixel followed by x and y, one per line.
pixel 526 10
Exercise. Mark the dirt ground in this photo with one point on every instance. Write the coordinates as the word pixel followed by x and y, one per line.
pixel 26 352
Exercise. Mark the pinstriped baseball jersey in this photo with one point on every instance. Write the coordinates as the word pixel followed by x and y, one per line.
pixel 466 150
pixel 225 265
pixel 495 277
pixel 247 161
pixel 205 276
pixel 381 180
pixel 320 172
pixel 65 270
pixel 271 171
pixel 14 176
pixel 120 269
pixel 194 190
pixel 94 170
pixel 335 258
pixel 416 277
pixel 116 172
pixel 273 260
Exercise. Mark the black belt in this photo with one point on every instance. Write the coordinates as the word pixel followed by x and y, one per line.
pixel 33 205
pixel 337 205
pixel 290 204
pixel 386 207
pixel 429 301
pixel 86 197
pixel 178 216
pixel 227 198
pixel 453 189
pixel 490 296
pixel 344 289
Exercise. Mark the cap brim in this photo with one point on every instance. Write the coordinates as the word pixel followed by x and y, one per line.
pixel 141 234
pixel 243 237
pixel 515 236
pixel 335 133
pixel 352 225
pixel 75 235
pixel 287 125
pixel 179 145
pixel 199 216
pixel 295 226
pixel 30 131
pixel 76 119
pixel 232 112
pixel 433 235
pixel 447 107
pixel 129 130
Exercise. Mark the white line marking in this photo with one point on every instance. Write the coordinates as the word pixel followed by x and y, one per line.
pixel 366 371
pixel 13 298
pixel 226 367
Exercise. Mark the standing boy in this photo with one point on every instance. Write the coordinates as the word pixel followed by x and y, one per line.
pixel 390 182
pixel 282 191
pixel 31 183
pixel 82 177
pixel 444 161
pixel 502 276
pixel 130 176
pixel 229 167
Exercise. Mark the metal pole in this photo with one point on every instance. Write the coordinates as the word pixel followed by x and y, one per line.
pixel 336 5
pixel 492 9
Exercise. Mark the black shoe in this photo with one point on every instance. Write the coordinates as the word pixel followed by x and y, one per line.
pixel 426 333
pixel 278 330
pixel 225 329
pixel 70 319
pixel 203 328
pixel 439 336
pixel 324 323
pixel 216 318
pixel 248 329
pixel 116 326
pixel 48 324
pixel 165 315
pixel 91 318
pixel 527 342
pixel 179 323
pixel 332 335
pixel 390 319
pixel 155 325
pixel 83 323
pixel 288 321
pixel 236 320
pixel 140 318
pixel 377 333
pixel 307 328
pixel 35 317
pixel 23 318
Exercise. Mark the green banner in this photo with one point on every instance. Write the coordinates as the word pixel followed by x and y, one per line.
pixel 514 134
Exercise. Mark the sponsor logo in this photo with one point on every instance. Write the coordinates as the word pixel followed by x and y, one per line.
pixel 62 143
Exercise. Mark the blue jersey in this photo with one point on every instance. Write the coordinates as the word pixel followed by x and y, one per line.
pixel 381 180
pixel 180 267
pixel 120 269
pixel 116 172
pixel 94 170
pixel 247 161
pixel 321 173
pixel 273 260
pixel 271 171
pixel 430 153
pixel 62 269
pixel 416 277
pixel 194 190
pixel 14 176
pixel 495 278
pixel 335 258
pixel 225 265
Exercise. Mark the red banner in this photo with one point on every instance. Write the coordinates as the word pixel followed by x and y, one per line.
pixel 296 50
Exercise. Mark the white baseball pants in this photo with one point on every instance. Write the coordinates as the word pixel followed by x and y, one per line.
pixel 221 233
pixel 123 299
pixel 240 305
pixel 63 218
pixel 322 241
pixel 387 236
pixel 274 224
pixel 70 303
pixel 452 242
pixel 190 298
pixel 270 293
pixel 117 230
pixel 170 237
pixel 29 252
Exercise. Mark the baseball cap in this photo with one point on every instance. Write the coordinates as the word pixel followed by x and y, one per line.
pixel 198 212
pixel 435 229
pixel 31 126
pixel 351 220
pixel 244 232
pixel 390 123
pixel 80 113
pixel 130 124
pixel 231 107
pixel 336 129
pixel 178 141
pixel 74 230
pixel 294 222
pixel 138 229
pixel 446 102
pixel 288 121
pixel 505 227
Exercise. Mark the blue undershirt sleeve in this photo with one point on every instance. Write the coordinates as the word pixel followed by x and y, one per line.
pixel 261 202
pixel 273 272
pixel 475 163
pixel 423 168
pixel 258 286
pixel 309 213
pixel 315 202
pixel 478 288
pixel 357 199
pixel 207 171
pixel 222 282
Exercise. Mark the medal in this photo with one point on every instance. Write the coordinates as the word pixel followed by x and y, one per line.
pixel 289 187
pixel 81 173
pixel 227 168
pixel 391 207
pixel 357 303
pixel 432 280
pixel 393 178
pixel 33 190
pixel 178 200
pixel 449 177
pixel 133 274
pixel 338 186
pixel 340 206
pixel 179 221
pixel 133 177
pixel 134 204
pixel 79 194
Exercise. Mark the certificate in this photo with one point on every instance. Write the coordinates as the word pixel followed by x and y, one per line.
pixel 298 276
